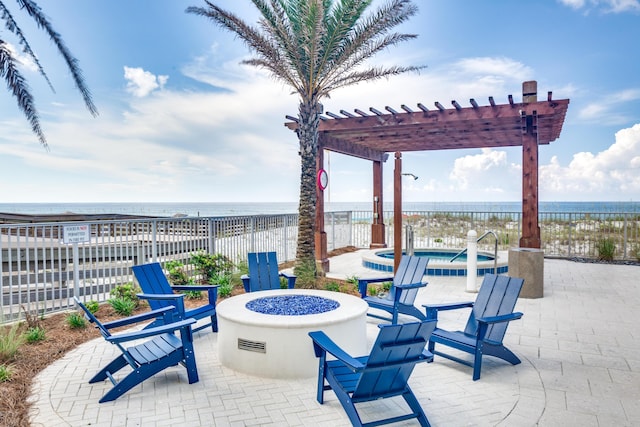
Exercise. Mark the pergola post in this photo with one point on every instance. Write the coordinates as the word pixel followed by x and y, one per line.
pixel 527 261
pixel 377 226
pixel 322 260
pixel 397 211
pixel 530 228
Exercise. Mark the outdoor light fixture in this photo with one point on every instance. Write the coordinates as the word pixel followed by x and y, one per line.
pixel 411 175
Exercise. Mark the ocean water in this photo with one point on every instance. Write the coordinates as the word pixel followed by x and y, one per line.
pixel 206 209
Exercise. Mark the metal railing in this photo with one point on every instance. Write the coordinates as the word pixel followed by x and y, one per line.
pixel 566 235
pixel 495 250
pixel 37 272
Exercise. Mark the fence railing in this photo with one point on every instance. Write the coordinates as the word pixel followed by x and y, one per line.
pixel 575 234
pixel 38 273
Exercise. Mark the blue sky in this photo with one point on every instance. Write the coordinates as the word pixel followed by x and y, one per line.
pixel 181 120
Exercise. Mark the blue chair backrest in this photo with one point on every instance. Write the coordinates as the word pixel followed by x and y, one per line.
pixel 410 270
pixel 393 356
pixel 152 280
pixel 497 296
pixel 263 271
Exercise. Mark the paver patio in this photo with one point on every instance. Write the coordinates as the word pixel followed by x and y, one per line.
pixel 579 345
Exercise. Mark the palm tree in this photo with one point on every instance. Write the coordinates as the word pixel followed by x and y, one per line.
pixel 16 83
pixel 316 47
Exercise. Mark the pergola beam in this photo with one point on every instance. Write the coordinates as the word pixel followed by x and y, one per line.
pixel 527 124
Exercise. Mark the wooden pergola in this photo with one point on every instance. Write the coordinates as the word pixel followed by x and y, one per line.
pixel 372 135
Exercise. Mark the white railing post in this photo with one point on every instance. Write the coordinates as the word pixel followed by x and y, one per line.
pixel 472 261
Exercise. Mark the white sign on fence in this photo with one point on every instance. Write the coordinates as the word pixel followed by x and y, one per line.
pixel 76 234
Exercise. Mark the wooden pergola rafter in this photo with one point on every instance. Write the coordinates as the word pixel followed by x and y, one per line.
pixel 372 135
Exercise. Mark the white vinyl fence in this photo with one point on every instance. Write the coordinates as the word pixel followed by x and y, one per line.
pixel 39 273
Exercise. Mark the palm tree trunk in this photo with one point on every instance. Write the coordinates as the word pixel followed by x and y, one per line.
pixel 309 115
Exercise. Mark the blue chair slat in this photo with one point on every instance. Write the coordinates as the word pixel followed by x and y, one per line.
pixel 163 349
pixel 384 373
pixel 159 293
pixel 486 326
pixel 263 273
pixel 401 297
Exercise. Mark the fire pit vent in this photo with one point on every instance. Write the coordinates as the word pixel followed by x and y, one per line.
pixel 255 346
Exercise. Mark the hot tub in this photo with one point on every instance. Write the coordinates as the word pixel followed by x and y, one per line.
pixel 278 345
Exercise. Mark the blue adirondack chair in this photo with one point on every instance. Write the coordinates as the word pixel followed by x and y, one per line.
pixel 383 373
pixel 263 273
pixel 406 282
pixel 486 326
pixel 162 350
pixel 160 293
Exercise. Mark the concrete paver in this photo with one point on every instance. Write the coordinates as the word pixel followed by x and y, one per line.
pixel 578 344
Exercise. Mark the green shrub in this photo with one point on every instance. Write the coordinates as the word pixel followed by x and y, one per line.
pixel 224 290
pixel 306 273
pixel 606 249
pixel 34 334
pixel 126 291
pixel 224 282
pixel 10 342
pixel 31 319
pixel 332 286
pixel 92 306
pixel 5 373
pixel 352 279
pixel 122 306
pixel 209 266
pixel 76 321
pixel 177 275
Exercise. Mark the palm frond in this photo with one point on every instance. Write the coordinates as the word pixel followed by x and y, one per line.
pixel 367 30
pixel 316 46
pixel 367 75
pixel 20 90
pixel 365 52
pixel 277 25
pixel 339 23
pixel 72 63
pixel 264 47
pixel 11 25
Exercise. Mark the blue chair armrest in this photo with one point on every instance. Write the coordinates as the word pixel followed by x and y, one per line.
pixel 212 290
pixel 449 306
pixel 144 333
pixel 363 284
pixel 193 287
pixel 291 279
pixel 161 296
pixel 245 282
pixel 413 285
pixel 322 343
pixel 484 322
pixel 432 309
pixel 138 317
pixel 499 319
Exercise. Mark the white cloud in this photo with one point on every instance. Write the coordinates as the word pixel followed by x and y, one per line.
pixel 610 109
pixel 25 61
pixel 613 6
pixel 494 69
pixel 478 77
pixel 575 4
pixel 141 83
pixel 471 168
pixel 590 176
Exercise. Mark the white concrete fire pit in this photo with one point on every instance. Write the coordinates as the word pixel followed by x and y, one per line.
pixel 266 333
